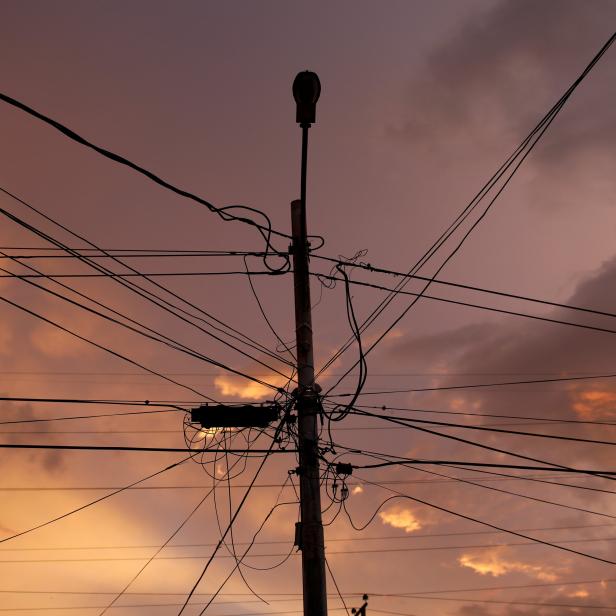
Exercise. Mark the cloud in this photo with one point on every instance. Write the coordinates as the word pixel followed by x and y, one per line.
pixel 399 517
pixel 494 564
pixel 485 88
pixel 237 386
pixel 594 404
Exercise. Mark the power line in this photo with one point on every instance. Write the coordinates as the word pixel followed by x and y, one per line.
pixel 149 333
pixel 403 420
pixel 231 522
pixel 564 379
pixel 458 285
pixel 488 447
pixel 422 295
pixel 97 500
pixel 130 448
pixel 490 525
pixel 406 537
pixel 224 213
pixel 522 152
pixel 471 414
pixel 102 347
pixel 146 294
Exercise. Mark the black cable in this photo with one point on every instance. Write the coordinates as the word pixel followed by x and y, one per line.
pixel 149 332
pixel 263 314
pixel 94 502
pixel 331 574
pixel 400 461
pixel 421 295
pixel 158 551
pixel 489 525
pixel 139 290
pixel 539 130
pixel 564 379
pixel 404 420
pixel 231 521
pixel 224 212
pixel 469 414
pixel 494 449
pixel 458 285
pixel 131 448
pixel 103 348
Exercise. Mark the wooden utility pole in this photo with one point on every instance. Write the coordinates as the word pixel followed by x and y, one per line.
pixel 306 90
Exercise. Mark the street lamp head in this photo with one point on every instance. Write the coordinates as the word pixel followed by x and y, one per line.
pixel 306 92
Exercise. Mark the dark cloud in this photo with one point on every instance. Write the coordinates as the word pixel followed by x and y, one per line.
pixel 485 88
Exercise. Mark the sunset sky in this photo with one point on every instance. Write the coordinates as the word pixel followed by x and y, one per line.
pixel 421 103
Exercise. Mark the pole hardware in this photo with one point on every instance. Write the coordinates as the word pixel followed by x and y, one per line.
pixel 240 416
pixel 306 92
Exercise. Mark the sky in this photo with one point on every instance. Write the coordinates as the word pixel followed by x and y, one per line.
pixel 421 103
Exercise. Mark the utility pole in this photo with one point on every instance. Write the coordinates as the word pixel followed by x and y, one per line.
pixel 306 91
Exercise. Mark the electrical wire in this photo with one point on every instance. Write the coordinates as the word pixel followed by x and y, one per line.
pixel 488 524
pixel 95 501
pixel 522 153
pixel 149 296
pixel 224 213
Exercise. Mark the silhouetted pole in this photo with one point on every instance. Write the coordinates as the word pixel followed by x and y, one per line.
pixel 306 90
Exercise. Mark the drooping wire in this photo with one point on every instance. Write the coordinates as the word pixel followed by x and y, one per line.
pixel 521 152
pixel 266 231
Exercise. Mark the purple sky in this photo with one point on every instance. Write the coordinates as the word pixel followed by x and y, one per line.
pixel 421 103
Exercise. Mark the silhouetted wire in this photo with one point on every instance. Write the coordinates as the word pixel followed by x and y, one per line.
pixel 470 414
pixel 522 151
pixel 331 574
pixel 409 420
pixel 421 295
pixel 158 551
pixel 103 348
pixel 141 274
pixel 149 332
pixel 548 604
pixel 488 447
pixel 338 414
pixel 149 296
pixel 95 501
pixel 467 287
pixel 231 522
pixel 478 521
pixel 231 549
pixel 37 252
pixel 263 314
pixel 224 212
pixel 511 493
pixel 564 379
pixel 535 480
pixel 48 446
pixel 240 560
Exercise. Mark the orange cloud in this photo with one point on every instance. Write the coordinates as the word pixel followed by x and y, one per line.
pixel 594 403
pixel 399 517
pixel 581 594
pixel 235 386
pixel 492 563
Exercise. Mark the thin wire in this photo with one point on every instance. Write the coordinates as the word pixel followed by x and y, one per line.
pixel 540 130
pixel 158 551
pixel 331 573
pixel 94 502
pixel 458 285
pixel 231 521
pixel 128 284
pixel 488 524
